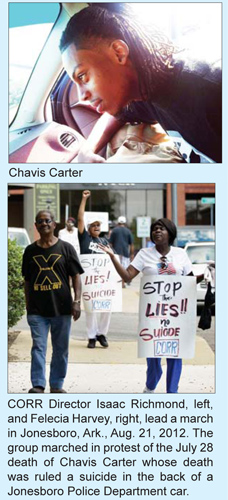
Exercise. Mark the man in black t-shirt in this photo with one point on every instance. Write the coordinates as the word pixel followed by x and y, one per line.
pixel 47 265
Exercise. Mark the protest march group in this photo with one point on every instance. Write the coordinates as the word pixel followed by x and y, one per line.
pixel 56 277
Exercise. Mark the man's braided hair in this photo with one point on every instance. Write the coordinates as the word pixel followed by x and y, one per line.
pixel 150 52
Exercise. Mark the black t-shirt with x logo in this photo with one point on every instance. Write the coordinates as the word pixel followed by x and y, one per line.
pixel 48 270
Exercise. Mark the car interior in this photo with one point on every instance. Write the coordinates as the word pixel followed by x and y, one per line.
pixel 51 123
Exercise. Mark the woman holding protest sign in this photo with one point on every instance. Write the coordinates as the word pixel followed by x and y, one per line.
pixel 161 259
pixel 97 324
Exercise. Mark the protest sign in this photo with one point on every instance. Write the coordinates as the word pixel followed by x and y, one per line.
pixel 167 317
pixel 101 285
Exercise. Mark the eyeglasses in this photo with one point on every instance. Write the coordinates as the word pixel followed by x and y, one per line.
pixel 164 262
pixel 47 221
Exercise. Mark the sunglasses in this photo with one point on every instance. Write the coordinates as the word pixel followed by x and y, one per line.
pixel 164 263
pixel 47 221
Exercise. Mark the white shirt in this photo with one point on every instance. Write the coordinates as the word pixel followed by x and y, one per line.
pixel 70 237
pixel 148 261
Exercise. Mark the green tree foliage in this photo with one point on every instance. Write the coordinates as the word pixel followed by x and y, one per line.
pixel 16 301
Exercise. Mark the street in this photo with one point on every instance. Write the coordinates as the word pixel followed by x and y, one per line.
pixel 116 369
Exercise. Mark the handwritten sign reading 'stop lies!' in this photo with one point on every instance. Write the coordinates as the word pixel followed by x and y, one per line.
pixel 167 317
pixel 101 285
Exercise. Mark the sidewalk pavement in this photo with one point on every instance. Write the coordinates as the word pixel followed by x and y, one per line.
pixel 115 369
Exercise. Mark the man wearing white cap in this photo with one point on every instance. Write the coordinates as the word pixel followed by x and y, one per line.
pixel 97 324
pixel 121 240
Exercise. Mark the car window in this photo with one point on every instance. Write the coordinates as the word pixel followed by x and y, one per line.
pixel 201 254
pixel 187 24
pixel 31 22
pixel 21 238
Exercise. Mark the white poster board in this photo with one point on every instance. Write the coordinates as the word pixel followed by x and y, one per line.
pixel 167 317
pixel 101 284
pixel 102 217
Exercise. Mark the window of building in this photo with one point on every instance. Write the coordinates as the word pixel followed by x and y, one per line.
pixel 128 202
pixel 198 212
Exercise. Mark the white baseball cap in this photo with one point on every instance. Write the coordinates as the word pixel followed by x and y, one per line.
pixel 122 219
pixel 91 220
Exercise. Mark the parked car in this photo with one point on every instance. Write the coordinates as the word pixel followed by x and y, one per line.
pixel 200 254
pixel 20 235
